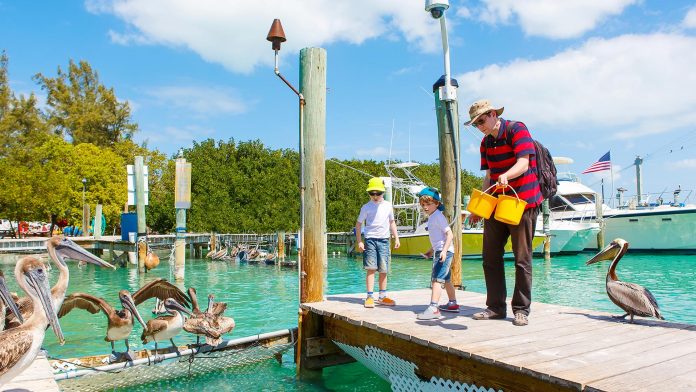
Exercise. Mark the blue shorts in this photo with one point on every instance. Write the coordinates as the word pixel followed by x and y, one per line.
pixel 442 270
pixel 377 254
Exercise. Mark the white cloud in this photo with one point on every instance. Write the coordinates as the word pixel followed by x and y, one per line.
pixel 200 100
pixel 635 84
pixel 689 21
pixel 684 164
pixel 552 18
pixel 234 33
pixel 169 134
pixel 373 153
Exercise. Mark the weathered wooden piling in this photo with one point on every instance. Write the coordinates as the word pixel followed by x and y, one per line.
pixel 139 172
pixel 182 201
pixel 450 188
pixel 314 258
pixel 97 221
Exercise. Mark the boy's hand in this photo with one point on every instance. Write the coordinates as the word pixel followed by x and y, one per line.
pixel 443 256
pixel 397 244
pixel 361 246
pixel 428 254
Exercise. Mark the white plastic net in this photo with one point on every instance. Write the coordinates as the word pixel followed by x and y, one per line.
pixel 189 365
pixel 401 374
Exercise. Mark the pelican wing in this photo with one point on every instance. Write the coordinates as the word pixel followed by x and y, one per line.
pixel 86 302
pixel 160 288
pixel 156 325
pixel 219 308
pixel 633 298
pixel 14 343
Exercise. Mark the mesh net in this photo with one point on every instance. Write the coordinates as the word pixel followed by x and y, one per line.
pixel 190 365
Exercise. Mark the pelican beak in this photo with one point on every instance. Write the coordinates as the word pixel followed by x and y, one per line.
pixel 127 302
pixel 7 297
pixel 67 249
pixel 38 280
pixel 608 253
pixel 177 306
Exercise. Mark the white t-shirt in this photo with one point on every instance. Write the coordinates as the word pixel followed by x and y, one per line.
pixel 437 230
pixel 377 217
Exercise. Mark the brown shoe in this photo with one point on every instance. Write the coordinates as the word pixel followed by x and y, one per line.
pixel 520 319
pixel 488 315
pixel 386 301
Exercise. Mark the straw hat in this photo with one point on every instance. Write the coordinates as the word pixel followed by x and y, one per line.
pixel 375 184
pixel 480 107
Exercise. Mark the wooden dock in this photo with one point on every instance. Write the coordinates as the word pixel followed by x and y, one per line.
pixel 562 348
pixel 36 378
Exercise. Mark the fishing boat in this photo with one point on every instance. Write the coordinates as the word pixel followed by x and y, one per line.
pixel 647 226
pixel 98 373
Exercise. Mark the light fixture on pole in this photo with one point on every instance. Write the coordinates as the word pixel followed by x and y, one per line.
pixel 437 9
pixel 276 36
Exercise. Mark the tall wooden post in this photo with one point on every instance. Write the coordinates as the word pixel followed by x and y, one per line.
pixel 314 257
pixel 85 219
pixel 547 231
pixel 139 172
pixel 182 201
pixel 97 221
pixel 448 171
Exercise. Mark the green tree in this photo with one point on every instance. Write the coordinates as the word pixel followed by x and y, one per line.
pixel 82 109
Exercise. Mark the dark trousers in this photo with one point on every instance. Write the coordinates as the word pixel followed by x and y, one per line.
pixel 495 236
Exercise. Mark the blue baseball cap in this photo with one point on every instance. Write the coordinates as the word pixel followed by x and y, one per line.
pixel 434 193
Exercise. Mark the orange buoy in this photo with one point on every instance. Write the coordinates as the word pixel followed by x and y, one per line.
pixel 151 260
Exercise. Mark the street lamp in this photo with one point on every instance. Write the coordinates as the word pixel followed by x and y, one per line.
pixel 276 36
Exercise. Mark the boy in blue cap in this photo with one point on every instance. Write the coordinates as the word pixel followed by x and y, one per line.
pixel 378 215
pixel 442 252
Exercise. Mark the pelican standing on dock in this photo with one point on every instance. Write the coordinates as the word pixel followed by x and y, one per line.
pixel 201 323
pixel 120 322
pixel 7 302
pixel 19 346
pixel 165 327
pixel 634 299
pixel 59 249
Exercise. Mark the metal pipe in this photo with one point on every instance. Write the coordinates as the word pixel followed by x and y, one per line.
pixel 160 358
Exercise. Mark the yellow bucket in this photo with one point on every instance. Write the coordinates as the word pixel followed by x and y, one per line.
pixel 481 203
pixel 510 209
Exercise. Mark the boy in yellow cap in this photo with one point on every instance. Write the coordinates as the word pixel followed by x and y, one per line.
pixel 378 215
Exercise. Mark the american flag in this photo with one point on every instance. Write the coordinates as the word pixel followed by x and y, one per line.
pixel 604 163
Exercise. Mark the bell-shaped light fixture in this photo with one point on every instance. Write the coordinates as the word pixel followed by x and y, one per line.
pixel 276 34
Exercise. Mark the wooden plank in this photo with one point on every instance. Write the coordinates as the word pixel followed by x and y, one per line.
pixel 38 377
pixel 660 375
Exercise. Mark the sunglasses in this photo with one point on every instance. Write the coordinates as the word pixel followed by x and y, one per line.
pixel 375 193
pixel 481 120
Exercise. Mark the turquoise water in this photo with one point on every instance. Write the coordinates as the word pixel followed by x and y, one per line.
pixel 263 299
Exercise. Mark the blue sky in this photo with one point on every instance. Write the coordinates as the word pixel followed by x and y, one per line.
pixel 586 76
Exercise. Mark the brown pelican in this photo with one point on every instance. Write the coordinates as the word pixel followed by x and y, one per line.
pixel 120 322
pixel 59 249
pixel 634 299
pixel 7 302
pixel 201 323
pixel 19 346
pixel 165 327
pixel 221 323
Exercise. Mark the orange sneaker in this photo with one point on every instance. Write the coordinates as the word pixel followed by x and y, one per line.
pixel 369 302
pixel 386 301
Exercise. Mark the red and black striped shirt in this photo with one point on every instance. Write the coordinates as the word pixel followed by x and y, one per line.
pixel 498 156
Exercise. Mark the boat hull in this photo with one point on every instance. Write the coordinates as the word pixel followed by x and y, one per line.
pixel 472 244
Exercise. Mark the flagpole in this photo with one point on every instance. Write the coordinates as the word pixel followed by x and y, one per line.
pixel 611 170
pixel 603 198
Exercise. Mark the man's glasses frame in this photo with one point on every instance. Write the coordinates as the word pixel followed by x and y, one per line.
pixel 481 119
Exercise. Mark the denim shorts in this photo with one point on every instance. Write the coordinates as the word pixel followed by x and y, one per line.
pixel 442 270
pixel 377 254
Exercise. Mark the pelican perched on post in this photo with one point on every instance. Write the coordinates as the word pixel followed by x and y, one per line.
pixel 167 326
pixel 7 302
pixel 634 299
pixel 120 322
pixel 19 346
pixel 59 249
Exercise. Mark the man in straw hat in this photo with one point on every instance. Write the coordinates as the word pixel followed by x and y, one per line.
pixel 509 158
pixel 378 215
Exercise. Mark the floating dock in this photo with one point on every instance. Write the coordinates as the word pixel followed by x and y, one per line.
pixel 562 349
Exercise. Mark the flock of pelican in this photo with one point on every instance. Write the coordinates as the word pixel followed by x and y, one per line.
pixel 24 320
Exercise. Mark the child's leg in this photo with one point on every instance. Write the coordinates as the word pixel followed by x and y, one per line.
pixel 451 295
pixel 382 281
pixel 436 292
pixel 370 280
